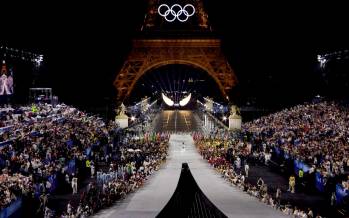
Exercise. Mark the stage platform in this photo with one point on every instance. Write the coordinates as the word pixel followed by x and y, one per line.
pixel 149 200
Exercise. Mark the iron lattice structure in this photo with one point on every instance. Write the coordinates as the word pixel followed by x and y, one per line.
pixel 149 54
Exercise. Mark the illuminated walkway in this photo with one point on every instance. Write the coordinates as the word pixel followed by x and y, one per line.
pixel 153 196
pixel 175 121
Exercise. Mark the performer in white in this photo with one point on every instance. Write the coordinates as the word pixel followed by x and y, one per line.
pixel 74 185
pixel 247 167
pixel 6 82
pixel 92 170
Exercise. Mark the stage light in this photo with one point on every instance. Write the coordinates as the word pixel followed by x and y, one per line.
pixel 185 100
pixel 167 100
pixel 38 60
pixel 322 60
pixel 133 118
pixel 224 118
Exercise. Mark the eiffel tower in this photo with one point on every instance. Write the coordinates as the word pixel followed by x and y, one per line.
pixel 161 42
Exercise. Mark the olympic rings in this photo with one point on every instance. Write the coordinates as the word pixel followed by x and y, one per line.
pixel 176 12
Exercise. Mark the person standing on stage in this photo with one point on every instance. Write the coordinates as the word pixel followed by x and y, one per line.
pixel 92 170
pixel 247 168
pixel 278 196
pixel 74 184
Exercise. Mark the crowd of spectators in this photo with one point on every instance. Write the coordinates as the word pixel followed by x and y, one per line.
pixel 139 159
pixel 46 150
pixel 230 158
pixel 39 141
pixel 13 186
pixel 316 134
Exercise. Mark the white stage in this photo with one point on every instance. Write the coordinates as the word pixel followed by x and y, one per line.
pixel 153 196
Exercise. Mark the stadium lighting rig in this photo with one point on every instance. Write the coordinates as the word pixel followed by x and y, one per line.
pixel 171 103
pixel 19 54
pixel 337 55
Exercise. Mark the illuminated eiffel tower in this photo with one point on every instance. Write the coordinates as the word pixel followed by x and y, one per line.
pixel 161 42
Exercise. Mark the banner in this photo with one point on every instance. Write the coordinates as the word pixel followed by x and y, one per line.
pixel 319 182
pixel 88 151
pixel 300 165
pixel 341 193
pixel 70 143
pixel 71 167
pixel 35 134
pixel 54 183
pixel 277 151
pixel 286 156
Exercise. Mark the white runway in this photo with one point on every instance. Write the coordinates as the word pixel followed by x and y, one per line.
pixel 153 196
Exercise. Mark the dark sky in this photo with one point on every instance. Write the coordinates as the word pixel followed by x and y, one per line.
pixel 271 46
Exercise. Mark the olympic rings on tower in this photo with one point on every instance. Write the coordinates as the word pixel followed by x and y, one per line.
pixel 176 12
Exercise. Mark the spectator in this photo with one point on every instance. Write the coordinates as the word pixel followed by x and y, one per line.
pixel 292 184
pixel 260 182
pixel 278 196
pixel 247 168
pixel 92 170
pixel 74 184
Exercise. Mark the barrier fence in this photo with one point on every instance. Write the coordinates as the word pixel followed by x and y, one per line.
pixel 11 209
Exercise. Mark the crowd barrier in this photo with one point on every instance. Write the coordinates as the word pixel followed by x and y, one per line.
pixel 2 144
pixel 6 129
pixel 11 209
pixel 320 183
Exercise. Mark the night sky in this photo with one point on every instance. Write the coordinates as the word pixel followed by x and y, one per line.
pixel 271 46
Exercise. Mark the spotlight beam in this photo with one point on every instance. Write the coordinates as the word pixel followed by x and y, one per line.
pixel 185 100
pixel 167 100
